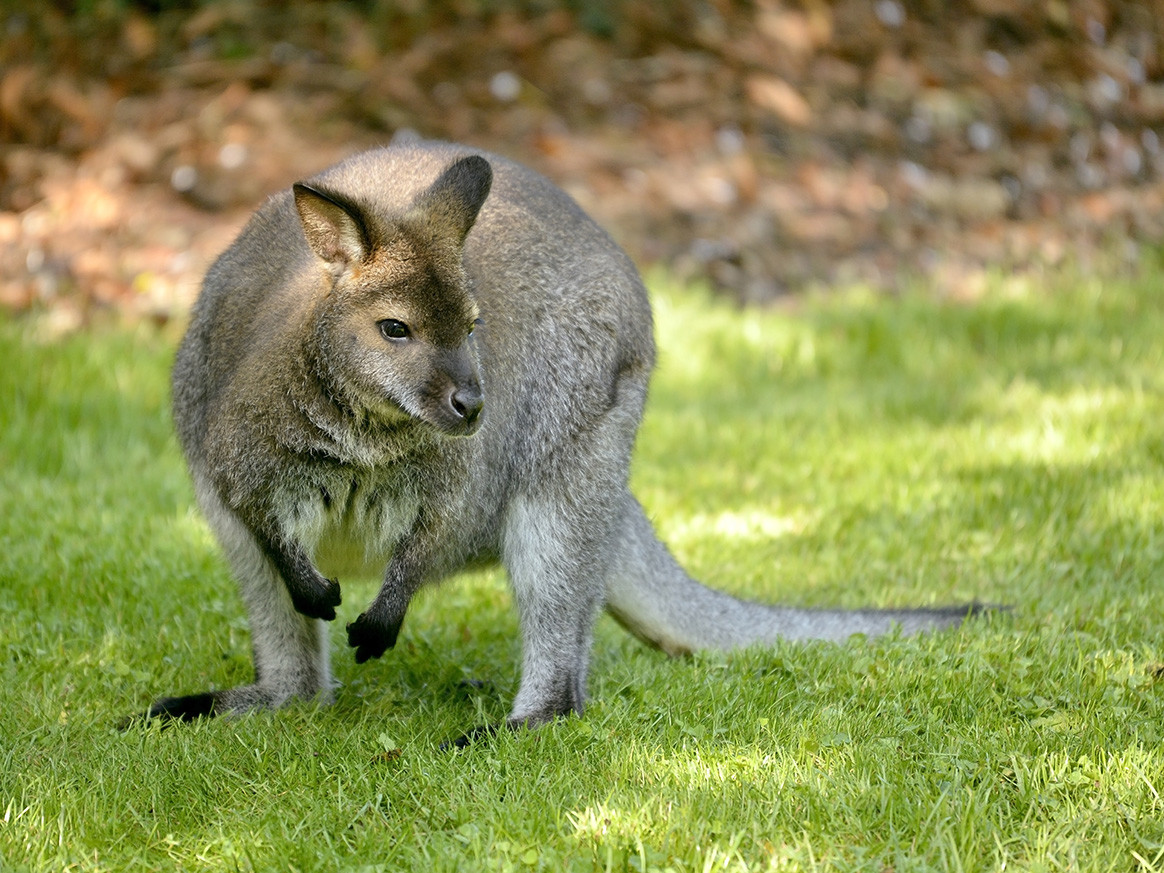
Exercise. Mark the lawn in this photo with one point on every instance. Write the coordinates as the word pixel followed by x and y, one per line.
pixel 843 451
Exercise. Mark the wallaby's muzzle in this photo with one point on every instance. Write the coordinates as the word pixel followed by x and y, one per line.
pixel 466 403
pixel 454 398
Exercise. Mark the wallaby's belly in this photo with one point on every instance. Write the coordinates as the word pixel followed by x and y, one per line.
pixel 342 555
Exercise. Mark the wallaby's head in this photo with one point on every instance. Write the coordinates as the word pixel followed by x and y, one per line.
pixel 395 320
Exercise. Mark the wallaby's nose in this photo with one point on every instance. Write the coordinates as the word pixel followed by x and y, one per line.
pixel 467 402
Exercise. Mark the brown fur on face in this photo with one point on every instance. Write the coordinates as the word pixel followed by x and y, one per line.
pixel 407 272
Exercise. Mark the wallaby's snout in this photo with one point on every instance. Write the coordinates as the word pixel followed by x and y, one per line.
pixel 454 398
pixel 466 401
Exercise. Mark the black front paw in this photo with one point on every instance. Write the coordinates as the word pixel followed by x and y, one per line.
pixel 371 637
pixel 319 601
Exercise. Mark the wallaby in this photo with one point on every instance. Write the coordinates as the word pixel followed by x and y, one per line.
pixel 427 357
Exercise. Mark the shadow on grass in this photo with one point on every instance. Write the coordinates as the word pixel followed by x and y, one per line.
pixel 857 394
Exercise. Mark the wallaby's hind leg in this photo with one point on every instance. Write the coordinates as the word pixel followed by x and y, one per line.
pixel 556 569
pixel 290 650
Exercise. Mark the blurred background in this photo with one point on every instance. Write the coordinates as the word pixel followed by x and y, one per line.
pixel 769 148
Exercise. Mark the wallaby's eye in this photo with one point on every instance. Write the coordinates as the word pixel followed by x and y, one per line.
pixel 393 329
pixel 476 324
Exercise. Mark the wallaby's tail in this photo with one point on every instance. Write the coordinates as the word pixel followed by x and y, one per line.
pixel 653 597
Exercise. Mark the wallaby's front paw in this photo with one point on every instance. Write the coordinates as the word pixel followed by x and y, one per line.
pixel 371 638
pixel 318 602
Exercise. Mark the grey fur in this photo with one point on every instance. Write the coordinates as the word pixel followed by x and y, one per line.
pixel 319 440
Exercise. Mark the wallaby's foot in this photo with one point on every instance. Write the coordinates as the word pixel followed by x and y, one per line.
pixel 316 602
pixel 482 732
pixel 371 636
pixel 186 708
pixel 485 732
pixel 170 709
pixel 230 702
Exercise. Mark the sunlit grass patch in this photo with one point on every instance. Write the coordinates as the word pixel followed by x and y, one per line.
pixel 843 451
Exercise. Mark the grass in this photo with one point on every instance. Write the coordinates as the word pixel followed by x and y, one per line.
pixel 848 451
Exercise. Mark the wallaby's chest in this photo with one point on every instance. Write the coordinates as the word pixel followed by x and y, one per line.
pixel 350 524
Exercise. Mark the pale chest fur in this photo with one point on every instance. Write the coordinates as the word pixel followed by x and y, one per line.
pixel 350 523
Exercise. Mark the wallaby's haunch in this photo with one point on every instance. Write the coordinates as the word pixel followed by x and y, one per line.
pixel 425 357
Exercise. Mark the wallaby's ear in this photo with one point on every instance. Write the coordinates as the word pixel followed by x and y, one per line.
pixel 334 230
pixel 451 203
